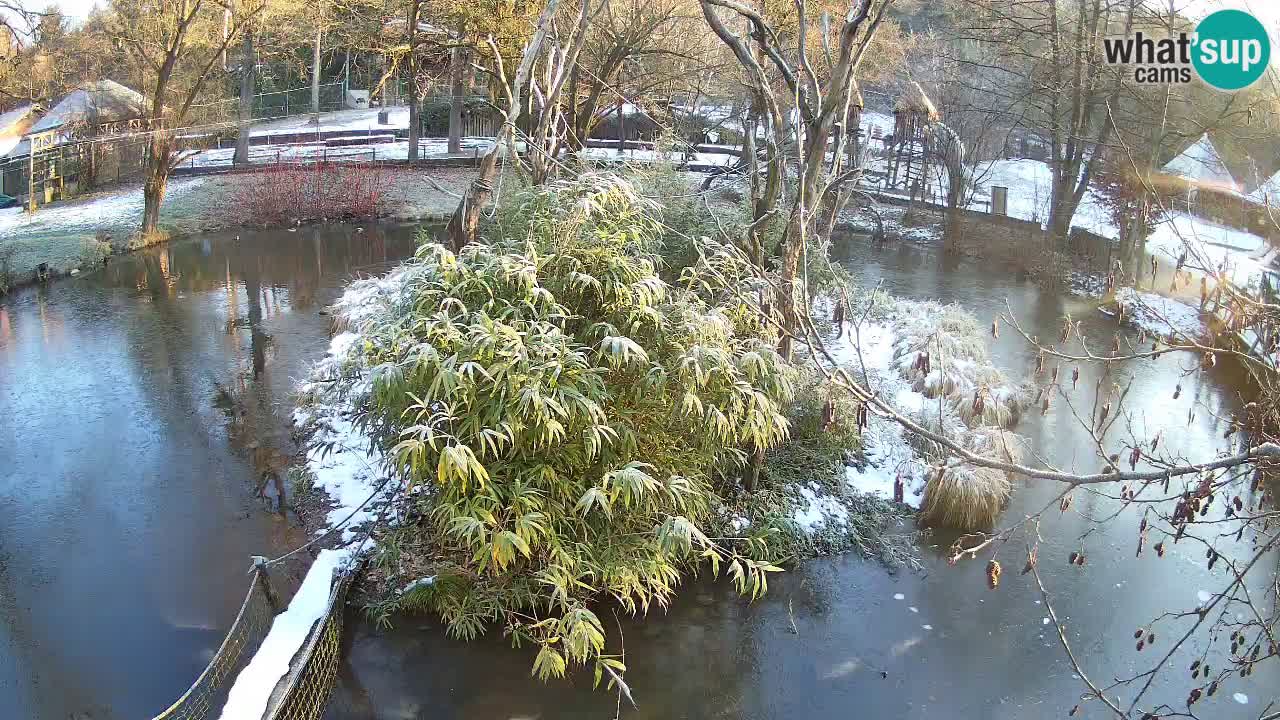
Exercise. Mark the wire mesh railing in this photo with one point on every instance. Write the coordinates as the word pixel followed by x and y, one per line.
pixel 205 697
pixel 315 670
pixel 304 691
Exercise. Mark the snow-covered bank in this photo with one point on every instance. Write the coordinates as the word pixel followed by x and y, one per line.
pixel 1030 182
pixel 343 461
pixel 1160 316
pixel 1030 185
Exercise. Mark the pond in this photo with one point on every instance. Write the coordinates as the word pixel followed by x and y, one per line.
pixel 130 399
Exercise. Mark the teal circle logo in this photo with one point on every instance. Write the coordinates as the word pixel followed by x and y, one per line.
pixel 1231 49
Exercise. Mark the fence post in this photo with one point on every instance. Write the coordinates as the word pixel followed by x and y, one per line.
pixel 260 576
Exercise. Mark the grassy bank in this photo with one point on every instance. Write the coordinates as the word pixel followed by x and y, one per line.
pixel 78 234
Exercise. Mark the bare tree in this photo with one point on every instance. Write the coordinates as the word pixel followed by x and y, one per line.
pixel 1049 61
pixel 248 81
pixel 465 220
pixel 17 22
pixel 817 106
pixel 175 47
pixel 549 124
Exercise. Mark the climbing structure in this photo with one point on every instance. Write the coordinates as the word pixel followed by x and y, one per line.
pixel 909 156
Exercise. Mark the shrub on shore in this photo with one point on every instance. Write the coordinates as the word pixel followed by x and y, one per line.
pixel 287 195
pixel 942 351
pixel 563 419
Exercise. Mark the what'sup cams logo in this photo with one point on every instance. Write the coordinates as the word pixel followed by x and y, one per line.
pixel 1229 50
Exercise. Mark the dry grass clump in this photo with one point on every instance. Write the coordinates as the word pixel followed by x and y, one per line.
pixel 968 497
pixel 963 496
pixel 942 352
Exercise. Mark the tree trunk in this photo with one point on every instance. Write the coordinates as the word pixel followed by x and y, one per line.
pixel 457 63
pixel 315 72
pixel 465 220
pixel 1061 206
pixel 622 127
pixel 791 250
pixel 157 177
pixel 247 62
pixel 415 124
pixel 415 127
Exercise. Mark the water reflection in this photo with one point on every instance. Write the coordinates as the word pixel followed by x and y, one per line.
pixel 131 400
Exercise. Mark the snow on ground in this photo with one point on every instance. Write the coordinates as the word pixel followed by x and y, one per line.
pixel 1159 315
pixel 60 234
pixel 1030 184
pixel 877 121
pixel 85 216
pixel 885 445
pixel 1220 247
pixel 362 119
pixel 345 462
pixel 313 152
pixel 819 510
pixel 342 459
pixel 1029 181
pixel 252 690
pixel 883 351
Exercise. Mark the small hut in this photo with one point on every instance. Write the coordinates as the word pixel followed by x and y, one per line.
pixel 908 154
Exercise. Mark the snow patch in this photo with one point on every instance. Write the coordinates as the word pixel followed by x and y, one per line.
pixel 1160 315
pixel 1241 698
pixel 248 697
pixel 818 510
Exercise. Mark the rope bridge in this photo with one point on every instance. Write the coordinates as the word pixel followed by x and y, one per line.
pixel 303 692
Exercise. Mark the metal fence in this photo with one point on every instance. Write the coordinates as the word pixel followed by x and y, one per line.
pixel 306 688
pixel 73 168
pixel 297 101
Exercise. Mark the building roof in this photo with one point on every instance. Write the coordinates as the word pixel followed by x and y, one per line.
pixel 95 102
pixel 13 125
pixel 1201 163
